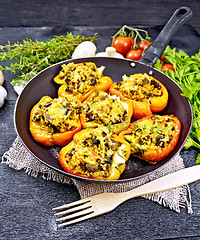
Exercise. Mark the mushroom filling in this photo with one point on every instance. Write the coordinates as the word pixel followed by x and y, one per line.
pixel 104 109
pixel 95 155
pixel 81 77
pixel 151 134
pixel 139 87
pixel 57 115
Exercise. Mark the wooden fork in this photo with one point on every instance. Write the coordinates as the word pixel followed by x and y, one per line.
pixel 106 202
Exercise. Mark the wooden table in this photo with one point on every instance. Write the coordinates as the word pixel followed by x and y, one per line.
pixel 26 202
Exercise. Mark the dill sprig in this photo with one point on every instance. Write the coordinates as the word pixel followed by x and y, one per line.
pixel 30 57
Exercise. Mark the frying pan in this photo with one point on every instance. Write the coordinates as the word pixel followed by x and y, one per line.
pixel 43 84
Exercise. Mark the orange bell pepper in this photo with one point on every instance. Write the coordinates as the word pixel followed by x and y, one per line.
pixel 147 94
pixel 95 154
pixel 81 79
pixel 54 121
pixel 153 138
pixel 102 109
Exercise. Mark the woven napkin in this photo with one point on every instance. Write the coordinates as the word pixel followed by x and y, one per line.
pixel 19 158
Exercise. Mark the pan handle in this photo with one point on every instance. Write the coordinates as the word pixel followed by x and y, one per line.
pixel 180 16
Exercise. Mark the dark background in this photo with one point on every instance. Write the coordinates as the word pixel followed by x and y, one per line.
pixel 40 13
pixel 26 202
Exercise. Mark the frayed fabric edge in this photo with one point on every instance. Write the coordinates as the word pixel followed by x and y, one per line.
pixel 185 200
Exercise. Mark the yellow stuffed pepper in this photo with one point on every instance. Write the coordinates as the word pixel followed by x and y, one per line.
pixel 81 79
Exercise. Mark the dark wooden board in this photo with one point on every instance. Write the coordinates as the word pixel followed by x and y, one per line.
pixel 91 12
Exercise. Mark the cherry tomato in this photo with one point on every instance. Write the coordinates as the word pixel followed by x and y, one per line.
pixel 123 44
pixel 134 54
pixel 132 41
pixel 146 44
pixel 162 59
pixel 167 66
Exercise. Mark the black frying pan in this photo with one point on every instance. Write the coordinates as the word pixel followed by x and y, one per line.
pixel 43 84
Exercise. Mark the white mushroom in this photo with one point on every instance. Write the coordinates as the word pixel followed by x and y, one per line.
pixel 18 88
pixel 84 49
pixel 1 78
pixel 3 95
pixel 109 52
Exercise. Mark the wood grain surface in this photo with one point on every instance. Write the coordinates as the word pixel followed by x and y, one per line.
pixel 26 202
pixel 91 13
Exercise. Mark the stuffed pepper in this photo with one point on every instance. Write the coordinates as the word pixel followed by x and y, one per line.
pixel 102 109
pixel 55 121
pixel 81 79
pixel 95 153
pixel 153 138
pixel 148 95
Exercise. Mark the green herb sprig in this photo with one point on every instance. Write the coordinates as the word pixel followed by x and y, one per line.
pixel 30 57
pixel 187 76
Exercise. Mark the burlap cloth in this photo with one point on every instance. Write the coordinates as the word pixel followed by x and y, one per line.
pixel 19 158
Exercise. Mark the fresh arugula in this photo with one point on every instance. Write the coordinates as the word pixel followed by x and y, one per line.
pixel 187 76
pixel 30 57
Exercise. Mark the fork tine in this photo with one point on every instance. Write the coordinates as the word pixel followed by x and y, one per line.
pixel 85 200
pixel 77 220
pixel 77 214
pixel 77 208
